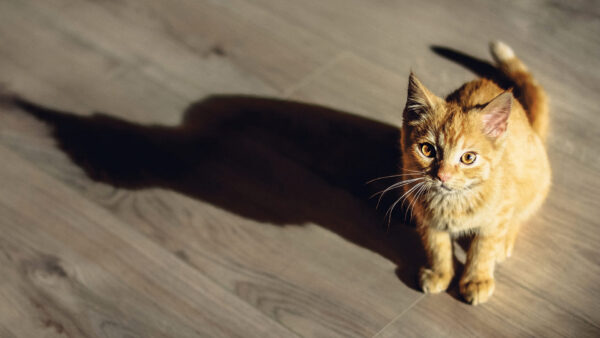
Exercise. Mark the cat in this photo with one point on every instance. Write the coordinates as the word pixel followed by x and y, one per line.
pixel 474 163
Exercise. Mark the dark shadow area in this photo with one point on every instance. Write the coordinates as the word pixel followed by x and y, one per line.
pixel 274 161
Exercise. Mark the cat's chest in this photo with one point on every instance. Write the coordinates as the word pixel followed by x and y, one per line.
pixel 454 216
pixel 454 225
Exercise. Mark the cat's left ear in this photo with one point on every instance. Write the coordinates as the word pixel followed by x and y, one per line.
pixel 495 115
pixel 420 101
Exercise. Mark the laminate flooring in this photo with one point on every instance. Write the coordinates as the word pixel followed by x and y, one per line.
pixel 197 168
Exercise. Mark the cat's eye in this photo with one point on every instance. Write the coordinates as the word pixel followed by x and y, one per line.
pixel 468 157
pixel 427 149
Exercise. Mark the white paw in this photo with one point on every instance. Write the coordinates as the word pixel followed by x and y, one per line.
pixel 433 281
pixel 478 290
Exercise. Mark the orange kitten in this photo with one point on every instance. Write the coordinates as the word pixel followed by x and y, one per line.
pixel 479 166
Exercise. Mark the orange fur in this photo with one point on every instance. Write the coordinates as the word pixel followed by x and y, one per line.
pixel 491 197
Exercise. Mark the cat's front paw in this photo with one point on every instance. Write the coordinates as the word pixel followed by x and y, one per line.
pixel 434 281
pixel 478 290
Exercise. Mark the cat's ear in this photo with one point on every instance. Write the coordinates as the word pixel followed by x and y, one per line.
pixel 419 100
pixel 495 115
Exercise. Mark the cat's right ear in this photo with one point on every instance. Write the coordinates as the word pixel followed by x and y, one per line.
pixel 420 100
pixel 495 115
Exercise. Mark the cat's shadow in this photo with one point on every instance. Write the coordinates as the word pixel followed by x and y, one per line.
pixel 275 161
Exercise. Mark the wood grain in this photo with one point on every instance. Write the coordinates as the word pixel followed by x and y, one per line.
pixel 189 294
pixel 188 208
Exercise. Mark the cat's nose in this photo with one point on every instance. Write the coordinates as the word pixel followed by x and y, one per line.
pixel 443 176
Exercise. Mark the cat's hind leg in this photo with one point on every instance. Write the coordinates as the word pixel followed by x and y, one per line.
pixel 506 246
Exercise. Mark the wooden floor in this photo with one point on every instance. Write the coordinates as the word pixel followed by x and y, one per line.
pixel 193 168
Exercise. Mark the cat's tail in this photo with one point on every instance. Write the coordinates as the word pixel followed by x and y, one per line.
pixel 529 93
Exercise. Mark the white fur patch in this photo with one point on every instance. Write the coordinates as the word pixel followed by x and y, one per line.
pixel 501 51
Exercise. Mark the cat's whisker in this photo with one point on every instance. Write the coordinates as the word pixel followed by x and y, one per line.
pixel 411 201
pixel 412 205
pixel 414 171
pixel 390 211
pixel 394 186
pixel 416 197
pixel 388 214
pixel 391 176
pixel 420 184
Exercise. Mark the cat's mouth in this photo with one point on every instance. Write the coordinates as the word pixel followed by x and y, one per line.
pixel 443 187
pixel 448 191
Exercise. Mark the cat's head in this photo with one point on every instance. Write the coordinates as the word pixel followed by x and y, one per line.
pixel 453 148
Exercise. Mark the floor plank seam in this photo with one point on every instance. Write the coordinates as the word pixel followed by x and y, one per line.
pixel 558 305
pixel 314 74
pixel 399 315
